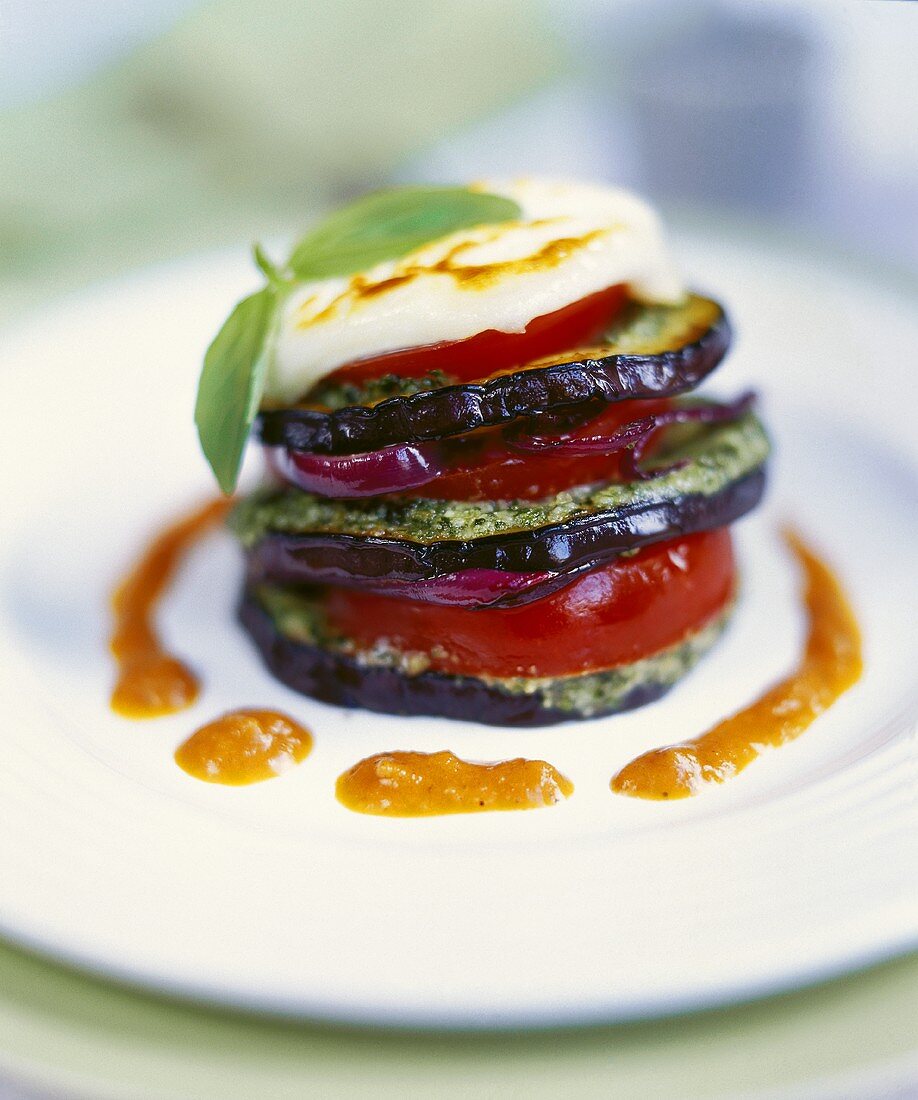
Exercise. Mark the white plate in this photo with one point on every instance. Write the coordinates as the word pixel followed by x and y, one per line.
pixel 604 908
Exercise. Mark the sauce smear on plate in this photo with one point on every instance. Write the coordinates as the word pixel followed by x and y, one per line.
pixel 244 746
pixel 418 784
pixel 831 664
pixel 151 681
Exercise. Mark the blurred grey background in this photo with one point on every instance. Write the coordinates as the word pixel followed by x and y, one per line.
pixel 138 130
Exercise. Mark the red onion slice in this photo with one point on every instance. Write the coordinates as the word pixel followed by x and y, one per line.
pixel 632 439
pixel 403 466
pixel 468 588
pixel 464 588
pixel 389 470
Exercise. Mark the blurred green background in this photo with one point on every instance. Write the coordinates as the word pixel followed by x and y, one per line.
pixel 240 121
pixel 134 132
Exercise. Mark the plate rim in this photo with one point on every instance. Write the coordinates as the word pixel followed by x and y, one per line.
pixel 843 960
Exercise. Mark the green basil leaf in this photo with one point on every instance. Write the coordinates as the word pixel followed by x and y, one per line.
pixel 389 224
pixel 381 226
pixel 232 383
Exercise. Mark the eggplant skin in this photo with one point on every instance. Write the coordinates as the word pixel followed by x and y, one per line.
pixel 703 460
pixel 565 548
pixel 336 677
pixel 699 334
pixel 293 537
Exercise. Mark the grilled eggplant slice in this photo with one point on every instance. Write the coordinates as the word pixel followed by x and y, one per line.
pixel 650 351
pixel 296 537
pixel 287 628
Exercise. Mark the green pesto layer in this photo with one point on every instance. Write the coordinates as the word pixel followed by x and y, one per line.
pixel 331 394
pixel 299 618
pixel 716 456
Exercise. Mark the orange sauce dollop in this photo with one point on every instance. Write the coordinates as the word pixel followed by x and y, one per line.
pixel 418 784
pixel 151 681
pixel 831 664
pixel 244 746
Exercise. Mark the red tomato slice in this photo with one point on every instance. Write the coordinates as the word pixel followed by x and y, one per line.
pixel 483 467
pixel 615 614
pixel 490 352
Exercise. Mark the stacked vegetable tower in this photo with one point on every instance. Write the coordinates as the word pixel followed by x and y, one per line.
pixel 488 500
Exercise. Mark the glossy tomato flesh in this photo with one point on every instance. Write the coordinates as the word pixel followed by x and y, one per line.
pixel 618 613
pixel 491 352
pixel 483 467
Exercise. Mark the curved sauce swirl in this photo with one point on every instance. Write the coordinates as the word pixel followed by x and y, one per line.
pixel 249 746
pixel 418 784
pixel 151 681
pixel 244 746
pixel 830 665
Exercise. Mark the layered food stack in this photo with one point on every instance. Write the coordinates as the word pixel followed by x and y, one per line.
pixel 489 498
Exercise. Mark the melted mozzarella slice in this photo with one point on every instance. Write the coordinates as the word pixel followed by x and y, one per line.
pixel 572 240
